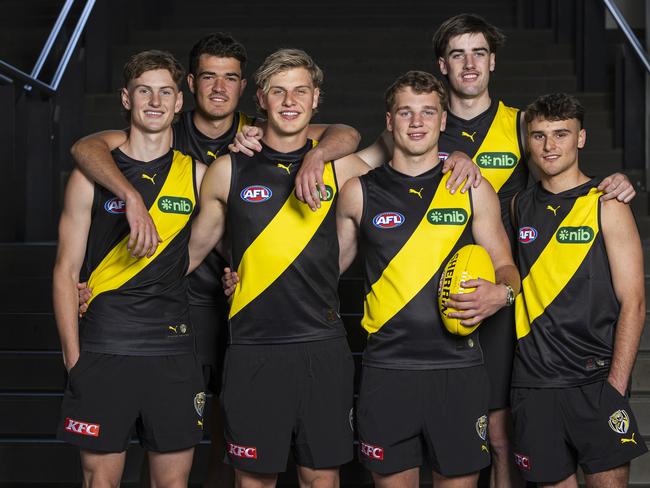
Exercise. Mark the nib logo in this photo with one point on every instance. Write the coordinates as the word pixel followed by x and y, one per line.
pixel 242 451
pixel 575 235
pixel 176 205
pixel 447 216
pixel 496 160
pixel 82 428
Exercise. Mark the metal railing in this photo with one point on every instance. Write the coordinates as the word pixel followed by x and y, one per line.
pixel 31 81
pixel 629 35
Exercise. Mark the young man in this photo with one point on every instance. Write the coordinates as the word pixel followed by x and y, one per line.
pixel 580 314
pixel 131 358
pixel 288 371
pixel 216 80
pixel 489 132
pixel 413 369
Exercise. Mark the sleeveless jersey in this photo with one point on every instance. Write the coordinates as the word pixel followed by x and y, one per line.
pixel 139 306
pixel 205 282
pixel 492 139
pixel 285 254
pixel 409 229
pixel 567 311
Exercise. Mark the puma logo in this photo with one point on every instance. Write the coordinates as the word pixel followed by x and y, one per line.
pixel 554 210
pixel 210 153
pixel 631 439
pixel 199 423
pixel 286 167
pixel 484 448
pixel 173 328
pixel 416 192
pixel 150 178
pixel 468 135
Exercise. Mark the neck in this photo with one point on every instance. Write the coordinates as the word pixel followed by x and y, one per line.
pixel 415 165
pixel 213 128
pixel 145 146
pixel 564 181
pixel 468 108
pixel 282 142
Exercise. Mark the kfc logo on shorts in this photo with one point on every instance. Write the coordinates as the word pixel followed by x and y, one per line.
pixel 372 452
pixel 242 451
pixel 523 462
pixel 82 428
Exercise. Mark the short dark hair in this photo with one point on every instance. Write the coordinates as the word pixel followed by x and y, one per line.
pixel 152 60
pixel 217 44
pixel 555 106
pixel 419 82
pixel 467 24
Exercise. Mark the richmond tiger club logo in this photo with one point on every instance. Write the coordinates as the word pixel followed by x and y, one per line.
pixel 115 206
pixel 619 422
pixel 388 220
pixel 481 426
pixel 256 194
pixel 527 235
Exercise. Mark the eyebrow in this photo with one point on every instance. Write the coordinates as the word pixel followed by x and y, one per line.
pixel 408 107
pixel 475 50
pixel 294 88
pixel 215 74
pixel 160 88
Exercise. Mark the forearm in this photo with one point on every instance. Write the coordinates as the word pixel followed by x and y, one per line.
pixel 626 343
pixel 508 275
pixel 66 306
pixel 337 141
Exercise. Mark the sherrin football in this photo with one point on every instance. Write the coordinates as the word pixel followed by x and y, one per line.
pixel 469 263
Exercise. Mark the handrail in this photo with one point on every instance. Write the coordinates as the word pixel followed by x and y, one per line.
pixel 631 38
pixel 31 80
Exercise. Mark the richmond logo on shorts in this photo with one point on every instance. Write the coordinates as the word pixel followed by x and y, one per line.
pixel 244 452
pixel 372 452
pixel 481 427
pixel 81 428
pixel 619 421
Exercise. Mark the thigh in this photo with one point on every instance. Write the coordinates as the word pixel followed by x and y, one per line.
pixel 170 468
pixel 99 405
pixel 497 337
pixel 259 401
pixel 456 420
pixel 540 446
pixel 102 468
pixel 603 429
pixel 324 430
pixel 173 402
pixel 389 419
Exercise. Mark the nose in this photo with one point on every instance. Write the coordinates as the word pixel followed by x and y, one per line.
pixel 549 144
pixel 219 85
pixel 288 99
pixel 416 120
pixel 154 101
pixel 469 60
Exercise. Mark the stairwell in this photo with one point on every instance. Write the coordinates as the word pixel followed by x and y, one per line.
pixel 362 47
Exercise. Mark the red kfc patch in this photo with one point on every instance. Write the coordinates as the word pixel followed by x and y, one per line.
pixel 372 452
pixel 244 452
pixel 81 428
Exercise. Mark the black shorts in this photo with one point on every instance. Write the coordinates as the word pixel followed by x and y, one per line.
pixel 404 416
pixel 556 428
pixel 285 397
pixel 210 325
pixel 108 396
pixel 498 341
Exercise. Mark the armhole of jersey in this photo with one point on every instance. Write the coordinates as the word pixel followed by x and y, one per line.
pixel 233 177
pixel 96 202
pixel 336 181
pixel 520 137
pixel 364 202
pixel 197 198
pixel 513 213
pixel 470 195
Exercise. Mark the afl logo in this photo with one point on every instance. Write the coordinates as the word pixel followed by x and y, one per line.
pixel 527 235
pixel 256 194
pixel 115 206
pixel 442 156
pixel 388 220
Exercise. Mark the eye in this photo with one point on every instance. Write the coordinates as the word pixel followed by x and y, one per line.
pixel 429 113
pixel 276 91
pixel 143 91
pixel 207 77
pixel 232 79
pixel 457 56
pixel 404 113
pixel 166 92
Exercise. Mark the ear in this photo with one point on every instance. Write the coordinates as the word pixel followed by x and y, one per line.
pixel 389 122
pixel 126 98
pixel 442 64
pixel 179 102
pixel 493 61
pixel 242 86
pixel 443 121
pixel 190 83
pixel 260 99
pixel 314 105
pixel 582 138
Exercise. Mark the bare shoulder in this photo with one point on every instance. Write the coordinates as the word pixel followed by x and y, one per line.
pixel 350 200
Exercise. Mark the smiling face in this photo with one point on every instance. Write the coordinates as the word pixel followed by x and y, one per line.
pixel 416 120
pixel 554 144
pixel 153 99
pixel 217 86
pixel 467 64
pixel 289 101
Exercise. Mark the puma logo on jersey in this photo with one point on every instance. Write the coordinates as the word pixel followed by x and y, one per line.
pixel 173 329
pixel 551 209
pixel 625 440
pixel 210 153
pixel 416 192
pixel 287 167
pixel 468 135
pixel 150 178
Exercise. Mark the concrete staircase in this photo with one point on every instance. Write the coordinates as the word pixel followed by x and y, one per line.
pixel 362 47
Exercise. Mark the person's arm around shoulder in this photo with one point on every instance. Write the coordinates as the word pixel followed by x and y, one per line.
pixel 488 232
pixel 379 152
pixel 73 236
pixel 209 225
pixel 349 167
pixel 93 156
pixel 349 209
pixel 625 256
